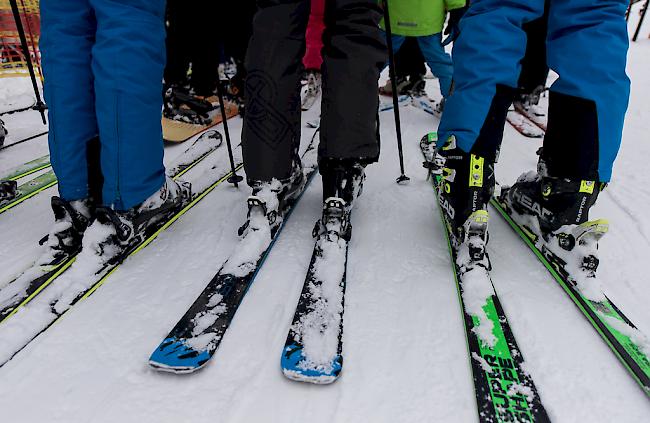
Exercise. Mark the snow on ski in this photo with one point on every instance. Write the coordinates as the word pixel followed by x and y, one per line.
pixel 628 344
pixel 533 113
pixel 27 169
pixel 197 335
pixel 313 351
pixel 505 392
pixel 426 104
pixel 523 125
pixel 23 289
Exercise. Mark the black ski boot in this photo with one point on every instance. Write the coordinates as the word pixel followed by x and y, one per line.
pixel 270 200
pixel 130 228
pixel 527 103
pixel 555 214
pixel 465 186
pixel 184 107
pixel 342 184
pixel 71 221
pixel 8 191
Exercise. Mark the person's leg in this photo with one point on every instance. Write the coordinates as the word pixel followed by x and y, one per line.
pixel 534 69
pixel 128 63
pixel 67 37
pixel 587 47
pixel 409 61
pixel 438 60
pixel 313 58
pixel 486 55
pixel 354 54
pixel 178 43
pixel 485 58
pixel 206 44
pixel 271 133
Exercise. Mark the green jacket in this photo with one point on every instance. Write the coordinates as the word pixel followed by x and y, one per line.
pixel 416 18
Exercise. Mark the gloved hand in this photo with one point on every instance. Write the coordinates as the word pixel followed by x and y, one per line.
pixel 453 25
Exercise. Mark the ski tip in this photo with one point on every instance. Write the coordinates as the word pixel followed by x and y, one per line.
pixel 174 356
pixel 294 367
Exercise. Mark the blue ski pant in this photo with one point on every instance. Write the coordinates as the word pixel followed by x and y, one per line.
pixel 586 45
pixel 436 57
pixel 103 64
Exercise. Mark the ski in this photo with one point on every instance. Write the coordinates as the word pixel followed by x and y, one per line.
pixel 504 391
pixel 197 335
pixel 524 126
pixel 29 189
pixel 630 346
pixel 426 104
pixel 24 289
pixel 47 309
pixel 313 351
pixel 27 169
pixel 385 105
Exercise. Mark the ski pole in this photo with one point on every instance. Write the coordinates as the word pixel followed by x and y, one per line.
pixel 40 106
pixel 391 73
pixel 234 178
pixel 638 27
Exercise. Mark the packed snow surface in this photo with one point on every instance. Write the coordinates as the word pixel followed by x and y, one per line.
pixel 405 353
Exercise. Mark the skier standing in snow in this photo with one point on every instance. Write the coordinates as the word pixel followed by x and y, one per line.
pixel 313 59
pixel 353 54
pixel 587 44
pixel 425 20
pixel 103 64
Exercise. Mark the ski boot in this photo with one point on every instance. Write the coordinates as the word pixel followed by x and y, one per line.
pixel 554 213
pixel 8 191
pixel 65 239
pixel 128 229
pixel 342 184
pixel 465 183
pixel 314 83
pixel 402 83
pixel 184 107
pixel 270 200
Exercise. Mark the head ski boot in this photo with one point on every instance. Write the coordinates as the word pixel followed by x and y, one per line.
pixel 554 212
pixel 65 239
pixel 270 200
pixel 121 231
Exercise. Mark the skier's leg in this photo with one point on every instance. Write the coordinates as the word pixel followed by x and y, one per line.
pixel 438 60
pixel 206 47
pixel 486 56
pixel 587 46
pixel 354 54
pixel 178 43
pixel 67 36
pixel 534 69
pixel 271 133
pixel 128 62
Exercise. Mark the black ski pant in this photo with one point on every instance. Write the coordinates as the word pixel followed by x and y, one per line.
pixel 409 61
pixel 191 38
pixel 354 52
pixel 534 69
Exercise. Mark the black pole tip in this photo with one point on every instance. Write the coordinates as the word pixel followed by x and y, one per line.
pixel 402 179
pixel 235 179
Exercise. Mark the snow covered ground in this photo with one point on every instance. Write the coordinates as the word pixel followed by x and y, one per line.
pixel 404 347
